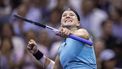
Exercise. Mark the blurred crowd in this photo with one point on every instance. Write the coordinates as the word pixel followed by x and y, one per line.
pixel 102 19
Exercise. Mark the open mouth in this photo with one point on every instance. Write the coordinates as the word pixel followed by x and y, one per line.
pixel 68 20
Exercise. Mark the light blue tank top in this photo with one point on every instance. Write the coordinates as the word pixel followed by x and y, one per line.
pixel 77 55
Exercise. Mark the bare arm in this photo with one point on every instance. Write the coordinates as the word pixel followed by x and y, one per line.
pixel 57 63
pixel 49 64
pixel 46 62
pixel 64 32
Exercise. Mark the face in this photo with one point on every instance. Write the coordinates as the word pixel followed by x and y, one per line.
pixel 30 35
pixel 55 17
pixel 87 6
pixel 6 46
pixel 108 27
pixel 99 47
pixel 69 18
pixel 7 31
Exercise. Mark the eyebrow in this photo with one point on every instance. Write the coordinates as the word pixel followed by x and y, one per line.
pixel 72 13
pixel 69 13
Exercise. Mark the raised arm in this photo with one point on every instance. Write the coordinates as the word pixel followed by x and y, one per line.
pixel 46 62
pixel 57 63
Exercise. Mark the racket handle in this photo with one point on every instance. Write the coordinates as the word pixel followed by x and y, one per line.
pixel 81 39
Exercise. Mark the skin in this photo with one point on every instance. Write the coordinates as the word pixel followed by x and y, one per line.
pixel 69 25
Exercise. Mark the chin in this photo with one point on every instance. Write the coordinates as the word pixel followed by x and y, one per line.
pixel 67 24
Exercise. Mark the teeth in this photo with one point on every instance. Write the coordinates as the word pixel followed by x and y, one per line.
pixel 68 21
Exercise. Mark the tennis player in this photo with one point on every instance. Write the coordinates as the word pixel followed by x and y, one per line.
pixel 72 54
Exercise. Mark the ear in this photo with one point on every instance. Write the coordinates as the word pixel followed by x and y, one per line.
pixel 78 24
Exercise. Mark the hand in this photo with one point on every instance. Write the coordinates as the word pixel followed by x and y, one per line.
pixel 82 33
pixel 32 46
pixel 64 32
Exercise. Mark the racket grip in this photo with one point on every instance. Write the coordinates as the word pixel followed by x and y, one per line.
pixel 81 39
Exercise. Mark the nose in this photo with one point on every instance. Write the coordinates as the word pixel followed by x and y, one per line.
pixel 67 17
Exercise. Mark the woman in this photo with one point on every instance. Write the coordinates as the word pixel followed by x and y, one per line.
pixel 72 54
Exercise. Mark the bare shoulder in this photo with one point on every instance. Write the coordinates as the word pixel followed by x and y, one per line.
pixel 82 33
pixel 82 30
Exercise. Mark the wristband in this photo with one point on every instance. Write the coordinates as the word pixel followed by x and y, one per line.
pixel 38 55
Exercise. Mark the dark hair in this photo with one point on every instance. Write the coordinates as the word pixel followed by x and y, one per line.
pixel 76 15
pixel 10 26
pixel 57 10
pixel 105 22
pixel 10 41
pixel 119 11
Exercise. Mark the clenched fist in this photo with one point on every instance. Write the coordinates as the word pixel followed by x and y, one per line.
pixel 32 46
pixel 64 32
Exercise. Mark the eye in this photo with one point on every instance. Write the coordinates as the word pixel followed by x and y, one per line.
pixel 71 14
pixel 64 15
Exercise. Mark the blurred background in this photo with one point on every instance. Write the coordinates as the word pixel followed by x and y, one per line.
pixel 102 19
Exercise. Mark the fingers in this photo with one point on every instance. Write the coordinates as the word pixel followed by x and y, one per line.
pixel 31 42
pixel 64 32
pixel 32 46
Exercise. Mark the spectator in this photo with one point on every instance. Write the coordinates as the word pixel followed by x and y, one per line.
pixel 103 4
pixel 91 17
pixel 18 44
pixel 54 22
pixel 31 34
pixel 33 10
pixel 106 35
pixel 7 57
pixel 5 7
pixel 21 10
pixel 44 42
pixel 5 10
pixel 118 50
pixel 99 47
pixel 109 59
pixel 116 15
